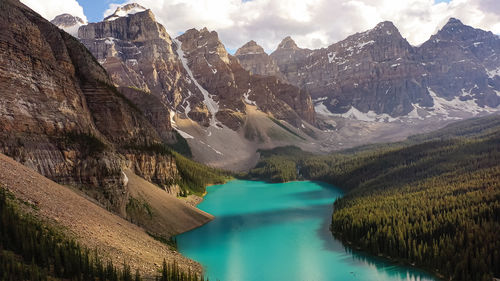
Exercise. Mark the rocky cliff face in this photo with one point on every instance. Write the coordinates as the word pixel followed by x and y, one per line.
pixel 463 63
pixel 370 71
pixel 379 73
pixel 193 74
pixel 68 23
pixel 253 58
pixel 60 114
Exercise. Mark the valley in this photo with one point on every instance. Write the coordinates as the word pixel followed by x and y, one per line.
pixel 131 152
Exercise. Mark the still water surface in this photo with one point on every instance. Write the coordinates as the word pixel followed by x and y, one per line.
pixel 278 232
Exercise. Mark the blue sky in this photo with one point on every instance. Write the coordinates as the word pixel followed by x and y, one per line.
pixel 94 9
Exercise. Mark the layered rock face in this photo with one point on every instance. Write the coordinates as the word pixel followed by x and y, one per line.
pixel 193 74
pixel 68 23
pixel 253 58
pixel 138 52
pixel 60 114
pixel 464 63
pixel 371 71
pixel 378 71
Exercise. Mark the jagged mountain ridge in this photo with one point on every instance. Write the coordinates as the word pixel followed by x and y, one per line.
pixel 231 86
pixel 372 71
pixel 378 72
pixel 207 86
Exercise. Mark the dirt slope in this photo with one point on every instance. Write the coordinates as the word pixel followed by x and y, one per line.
pixel 90 224
pixel 170 215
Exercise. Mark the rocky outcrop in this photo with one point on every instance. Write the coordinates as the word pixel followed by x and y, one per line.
pixel 61 115
pixel 156 168
pixel 253 58
pixel 68 23
pixel 463 62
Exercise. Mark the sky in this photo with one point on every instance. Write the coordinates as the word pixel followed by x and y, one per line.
pixel 311 23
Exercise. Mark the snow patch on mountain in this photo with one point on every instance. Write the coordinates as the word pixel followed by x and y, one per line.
pixel 125 11
pixel 246 98
pixel 445 107
pixel 354 113
pixel 174 125
pixel 493 72
pixel 212 106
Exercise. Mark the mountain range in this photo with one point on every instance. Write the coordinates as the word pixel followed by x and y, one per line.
pixel 109 111
pixel 311 96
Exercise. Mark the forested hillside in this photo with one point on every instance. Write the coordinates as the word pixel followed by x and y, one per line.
pixel 31 250
pixel 432 201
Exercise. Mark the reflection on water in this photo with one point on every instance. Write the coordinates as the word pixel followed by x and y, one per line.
pixel 279 232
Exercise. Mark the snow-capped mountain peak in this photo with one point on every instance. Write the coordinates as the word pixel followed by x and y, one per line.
pixel 125 11
pixel 68 23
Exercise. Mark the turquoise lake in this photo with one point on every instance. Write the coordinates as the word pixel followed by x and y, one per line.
pixel 278 232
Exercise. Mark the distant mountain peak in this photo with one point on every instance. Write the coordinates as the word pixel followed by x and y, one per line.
pixel 67 20
pixel 455 30
pixel 454 21
pixel 386 28
pixel 250 47
pixel 288 43
pixel 68 23
pixel 125 11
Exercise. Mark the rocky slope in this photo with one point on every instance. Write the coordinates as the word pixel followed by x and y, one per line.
pixel 61 115
pixel 97 228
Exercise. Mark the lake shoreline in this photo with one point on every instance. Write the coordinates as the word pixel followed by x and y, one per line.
pixel 199 245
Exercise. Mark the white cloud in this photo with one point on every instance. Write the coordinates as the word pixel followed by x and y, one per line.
pixel 49 9
pixel 316 23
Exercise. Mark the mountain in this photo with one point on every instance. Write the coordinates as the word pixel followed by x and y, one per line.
pixel 210 98
pixel 463 64
pixel 232 86
pixel 205 84
pixel 253 58
pixel 378 76
pixel 139 54
pixel 61 116
pixel 68 23
pixel 370 71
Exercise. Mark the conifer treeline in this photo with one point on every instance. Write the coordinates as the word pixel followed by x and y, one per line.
pixel 432 201
pixel 29 250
